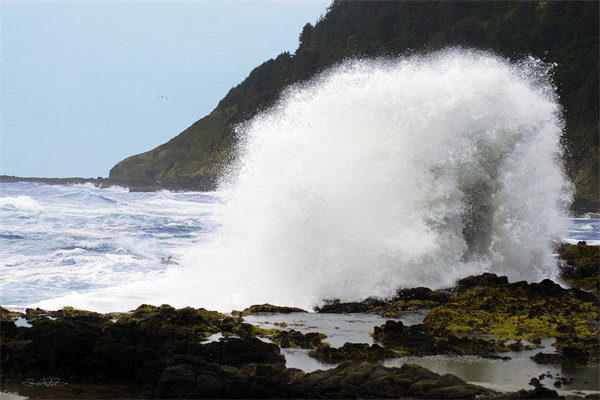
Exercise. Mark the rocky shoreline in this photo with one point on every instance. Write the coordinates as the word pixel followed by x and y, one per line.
pixel 163 352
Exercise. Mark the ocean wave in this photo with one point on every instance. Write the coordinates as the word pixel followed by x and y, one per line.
pixel 20 203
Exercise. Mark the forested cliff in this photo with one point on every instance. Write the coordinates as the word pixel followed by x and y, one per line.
pixel 561 32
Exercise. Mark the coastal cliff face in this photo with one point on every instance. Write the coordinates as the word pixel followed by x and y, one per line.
pixel 563 33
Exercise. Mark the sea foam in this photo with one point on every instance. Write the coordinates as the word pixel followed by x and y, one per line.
pixel 20 203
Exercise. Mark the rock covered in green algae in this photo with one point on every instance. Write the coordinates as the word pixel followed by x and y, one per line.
pixel 581 267
pixel 413 299
pixel 295 339
pixel 352 351
pixel 8 315
pixel 523 311
pixel 422 340
pixel 484 280
pixel 268 308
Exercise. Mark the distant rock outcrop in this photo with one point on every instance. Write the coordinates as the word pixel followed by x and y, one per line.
pixel 562 33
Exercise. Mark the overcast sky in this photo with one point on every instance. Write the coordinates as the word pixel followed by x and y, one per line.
pixel 87 84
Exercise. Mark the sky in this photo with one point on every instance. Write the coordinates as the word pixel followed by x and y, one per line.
pixel 85 84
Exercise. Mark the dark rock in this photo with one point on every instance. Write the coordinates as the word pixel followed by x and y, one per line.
pixel 581 261
pixel 579 265
pixel 370 305
pixel 158 351
pixel 422 294
pixel 421 340
pixel 490 304
pixel 269 308
pixel 574 355
pixel 190 382
pixel 535 382
pixel 391 332
pixel 357 380
pixel 483 280
pixel 293 338
pixel 236 352
pixel 8 329
pixel 567 354
pixel 558 383
pixel 537 393
pixel 545 358
pixel 545 393
pixel 352 351
pixel 547 288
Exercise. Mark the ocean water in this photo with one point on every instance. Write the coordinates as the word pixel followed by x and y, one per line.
pixel 70 240
pixel 376 175
pixel 59 243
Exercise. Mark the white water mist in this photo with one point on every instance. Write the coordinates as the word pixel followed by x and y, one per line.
pixel 394 173
pixel 379 175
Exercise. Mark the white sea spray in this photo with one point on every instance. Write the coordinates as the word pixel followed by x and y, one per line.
pixel 374 176
pixel 392 173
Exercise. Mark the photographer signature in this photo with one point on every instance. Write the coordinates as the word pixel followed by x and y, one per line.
pixel 48 382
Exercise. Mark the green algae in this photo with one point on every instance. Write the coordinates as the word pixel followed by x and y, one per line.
pixel 396 309
pixel 422 340
pixel 268 308
pixel 524 312
pixel 295 339
pixel 591 283
pixel 512 314
pixel 10 315
pixel 581 265
pixel 71 312
pixel 580 255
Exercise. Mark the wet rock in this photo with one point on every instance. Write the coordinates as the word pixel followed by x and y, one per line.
pixel 537 393
pixel 83 346
pixel 546 358
pixel 547 289
pixel 158 350
pixel 420 298
pixel 411 299
pixel 357 380
pixel 421 340
pixel 579 266
pixel 7 315
pixel 352 351
pixel 295 339
pixel 421 293
pixel 370 305
pixel 520 311
pixel 268 308
pixel 557 384
pixel 184 381
pixel 236 352
pixel 571 351
pixel 391 332
pixel 8 330
pixel 483 280
pixel 535 382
